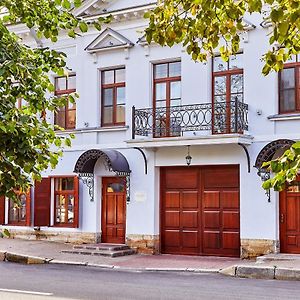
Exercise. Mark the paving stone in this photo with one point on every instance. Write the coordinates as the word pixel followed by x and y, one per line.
pixel 287 274
pixel 230 271
pixel 2 255
pixel 17 258
pixel 255 272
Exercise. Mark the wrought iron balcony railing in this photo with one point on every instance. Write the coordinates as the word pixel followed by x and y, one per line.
pixel 217 118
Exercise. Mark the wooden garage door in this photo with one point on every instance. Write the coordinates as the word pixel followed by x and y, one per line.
pixel 200 210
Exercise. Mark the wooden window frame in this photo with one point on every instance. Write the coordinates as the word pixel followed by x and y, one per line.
pixel 27 220
pixel 296 67
pixel 65 108
pixel 114 86
pixel 168 80
pixel 75 193
pixel 227 74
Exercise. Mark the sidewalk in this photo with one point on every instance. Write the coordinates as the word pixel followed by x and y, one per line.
pixel 268 267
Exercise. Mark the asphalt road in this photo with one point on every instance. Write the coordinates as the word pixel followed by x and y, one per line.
pixel 75 282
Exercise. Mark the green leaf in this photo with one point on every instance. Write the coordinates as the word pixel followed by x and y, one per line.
pixel 83 27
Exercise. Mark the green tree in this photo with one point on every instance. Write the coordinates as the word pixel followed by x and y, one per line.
pixel 205 26
pixel 28 142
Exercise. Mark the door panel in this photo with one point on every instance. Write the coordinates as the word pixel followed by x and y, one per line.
pixel 113 210
pixel 200 211
pixel 289 218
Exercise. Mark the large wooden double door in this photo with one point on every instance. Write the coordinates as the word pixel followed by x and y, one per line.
pixel 113 218
pixel 289 219
pixel 200 210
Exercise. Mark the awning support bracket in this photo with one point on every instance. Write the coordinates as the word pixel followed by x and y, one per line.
pixel 247 155
pixel 145 158
pixel 88 180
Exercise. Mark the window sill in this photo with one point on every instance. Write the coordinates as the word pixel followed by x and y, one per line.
pixel 285 117
pixel 93 129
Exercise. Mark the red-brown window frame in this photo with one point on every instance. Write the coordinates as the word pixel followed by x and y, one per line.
pixel 295 66
pixel 27 221
pixel 66 107
pixel 75 193
pixel 227 74
pixel 168 81
pixel 113 86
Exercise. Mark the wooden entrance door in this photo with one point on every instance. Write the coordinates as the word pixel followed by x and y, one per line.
pixel 200 210
pixel 113 210
pixel 289 219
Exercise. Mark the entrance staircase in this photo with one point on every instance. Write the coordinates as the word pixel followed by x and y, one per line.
pixel 108 250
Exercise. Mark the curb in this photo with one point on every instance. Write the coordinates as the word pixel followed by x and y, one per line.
pixel 240 271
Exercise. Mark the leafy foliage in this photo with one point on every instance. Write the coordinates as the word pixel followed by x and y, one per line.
pixel 205 26
pixel 286 168
pixel 27 140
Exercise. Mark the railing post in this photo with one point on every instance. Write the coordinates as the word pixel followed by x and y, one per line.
pixel 236 115
pixel 133 123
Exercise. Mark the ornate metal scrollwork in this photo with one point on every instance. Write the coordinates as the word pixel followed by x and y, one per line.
pixel 219 117
pixel 88 180
pixel 126 177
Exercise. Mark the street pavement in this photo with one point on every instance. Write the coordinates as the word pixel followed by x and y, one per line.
pixel 80 282
pixel 284 267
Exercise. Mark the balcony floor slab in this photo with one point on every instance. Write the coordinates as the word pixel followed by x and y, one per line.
pixel 214 139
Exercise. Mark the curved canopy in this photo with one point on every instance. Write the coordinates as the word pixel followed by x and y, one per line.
pixel 115 161
pixel 271 151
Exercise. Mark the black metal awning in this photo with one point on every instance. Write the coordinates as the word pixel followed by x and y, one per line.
pixel 272 151
pixel 114 160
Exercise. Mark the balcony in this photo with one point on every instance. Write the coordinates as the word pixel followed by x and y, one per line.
pixel 217 121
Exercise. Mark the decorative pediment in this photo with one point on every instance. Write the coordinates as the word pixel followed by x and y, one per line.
pixel 107 40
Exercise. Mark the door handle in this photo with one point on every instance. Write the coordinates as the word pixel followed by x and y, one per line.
pixel 281 218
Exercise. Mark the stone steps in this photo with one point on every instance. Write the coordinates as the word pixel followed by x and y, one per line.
pixel 278 257
pixel 108 250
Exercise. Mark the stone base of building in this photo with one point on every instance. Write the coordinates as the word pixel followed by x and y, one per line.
pixel 56 236
pixel 251 248
pixel 144 244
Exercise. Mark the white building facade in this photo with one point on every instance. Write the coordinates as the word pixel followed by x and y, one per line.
pixel 167 150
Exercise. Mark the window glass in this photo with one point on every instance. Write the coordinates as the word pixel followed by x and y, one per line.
pixel 294 187
pixel 120 75
pixel 174 69
pixel 107 115
pixel 60 83
pixel 108 77
pixel 71 117
pixel 120 95
pixel 72 82
pixel 220 85
pixel 236 61
pixel 71 204
pixel 161 71
pixel 64 184
pixel 287 78
pixel 161 91
pixel 120 114
pixel 60 118
pixel 287 100
pixel 236 83
pixel 219 64
pixel 108 97
pixel 115 188
pixel 175 90
pixel 17 209
pixel 287 90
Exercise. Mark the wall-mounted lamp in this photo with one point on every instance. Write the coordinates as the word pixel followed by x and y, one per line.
pixel 188 158
pixel 264 176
